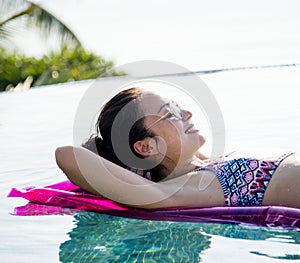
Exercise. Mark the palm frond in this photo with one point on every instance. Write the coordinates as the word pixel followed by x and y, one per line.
pixel 10 7
pixel 22 13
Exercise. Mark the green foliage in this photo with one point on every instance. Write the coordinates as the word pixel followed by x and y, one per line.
pixel 71 63
pixel 68 64
pixel 22 14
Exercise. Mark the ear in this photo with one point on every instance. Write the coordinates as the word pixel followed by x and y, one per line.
pixel 144 147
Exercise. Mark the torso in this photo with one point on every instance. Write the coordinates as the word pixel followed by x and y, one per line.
pixel 284 188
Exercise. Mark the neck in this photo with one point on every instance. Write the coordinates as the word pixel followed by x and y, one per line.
pixel 175 169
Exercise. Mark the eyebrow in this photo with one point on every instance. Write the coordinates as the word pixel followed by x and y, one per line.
pixel 168 103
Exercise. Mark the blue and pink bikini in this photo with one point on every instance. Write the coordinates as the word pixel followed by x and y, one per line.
pixel 244 180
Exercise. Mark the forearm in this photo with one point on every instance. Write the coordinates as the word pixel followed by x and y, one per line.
pixel 99 176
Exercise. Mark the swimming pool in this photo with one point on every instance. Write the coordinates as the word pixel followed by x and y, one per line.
pixel 261 110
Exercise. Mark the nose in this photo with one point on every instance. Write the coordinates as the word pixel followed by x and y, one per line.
pixel 186 115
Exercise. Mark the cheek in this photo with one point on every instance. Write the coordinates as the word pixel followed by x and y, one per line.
pixel 171 137
pixel 175 142
pixel 173 134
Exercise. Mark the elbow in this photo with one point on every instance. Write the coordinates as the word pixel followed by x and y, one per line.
pixel 66 161
pixel 58 155
pixel 63 156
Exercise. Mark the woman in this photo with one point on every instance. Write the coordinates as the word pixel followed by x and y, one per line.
pixel 166 168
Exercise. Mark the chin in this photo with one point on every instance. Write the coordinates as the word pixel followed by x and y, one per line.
pixel 197 143
pixel 201 140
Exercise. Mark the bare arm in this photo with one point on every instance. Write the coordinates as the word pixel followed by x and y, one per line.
pixel 66 161
pixel 99 176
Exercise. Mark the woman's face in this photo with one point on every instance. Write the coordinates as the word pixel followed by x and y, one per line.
pixel 179 133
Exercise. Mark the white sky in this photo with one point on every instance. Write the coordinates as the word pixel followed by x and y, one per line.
pixel 196 34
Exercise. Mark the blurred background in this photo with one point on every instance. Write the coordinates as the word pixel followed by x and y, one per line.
pixel 55 41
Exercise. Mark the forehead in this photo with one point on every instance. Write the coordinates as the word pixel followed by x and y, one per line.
pixel 152 102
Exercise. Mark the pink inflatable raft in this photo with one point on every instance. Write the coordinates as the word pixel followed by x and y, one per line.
pixel 67 198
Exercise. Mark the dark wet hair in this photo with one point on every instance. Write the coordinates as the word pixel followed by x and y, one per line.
pixel 101 142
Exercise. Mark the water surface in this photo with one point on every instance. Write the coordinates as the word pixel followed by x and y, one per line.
pixel 261 110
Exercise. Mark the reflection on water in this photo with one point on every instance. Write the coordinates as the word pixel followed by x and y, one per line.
pixel 103 238
pixel 111 239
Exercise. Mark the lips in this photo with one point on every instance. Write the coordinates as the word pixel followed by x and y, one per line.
pixel 190 129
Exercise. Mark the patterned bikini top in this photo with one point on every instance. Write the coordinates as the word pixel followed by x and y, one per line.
pixel 244 180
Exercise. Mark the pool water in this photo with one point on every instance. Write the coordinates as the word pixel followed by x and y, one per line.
pixel 112 239
pixel 261 110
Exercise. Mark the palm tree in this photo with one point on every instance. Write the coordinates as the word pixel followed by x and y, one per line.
pixel 19 13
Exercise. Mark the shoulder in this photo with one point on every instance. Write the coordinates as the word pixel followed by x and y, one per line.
pixel 270 154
